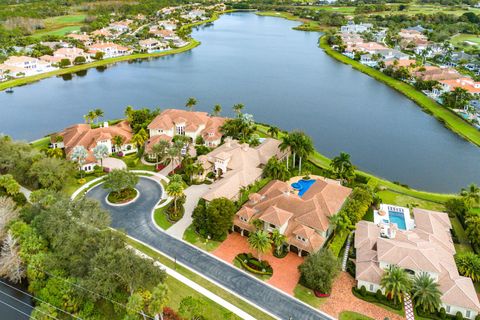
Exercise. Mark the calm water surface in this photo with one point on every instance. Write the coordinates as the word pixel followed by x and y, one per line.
pixel 283 78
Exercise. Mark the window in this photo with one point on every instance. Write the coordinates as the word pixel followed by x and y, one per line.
pixel 272 226
pixel 243 219
pixel 371 287
pixel 467 314
pixel 448 309
pixel 301 238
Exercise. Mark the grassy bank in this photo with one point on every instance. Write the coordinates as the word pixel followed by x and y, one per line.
pixel 307 25
pixel 233 299
pixel 450 119
pixel 22 81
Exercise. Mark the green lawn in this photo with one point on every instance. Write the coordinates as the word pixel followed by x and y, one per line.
pixel 57 32
pixel 464 243
pixel 444 115
pixel 245 306
pixel 61 25
pixel 307 25
pixel 459 40
pixel 350 315
pixel 307 296
pixel 161 219
pixel 403 200
pixel 192 237
pixel 41 143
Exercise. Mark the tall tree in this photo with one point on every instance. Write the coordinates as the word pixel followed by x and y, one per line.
pixel 273 131
pixel 175 190
pixel 285 145
pixel 118 142
pixel 471 194
pixel 98 113
pixel 278 240
pixel 10 262
pixel 396 283
pixel 217 109
pixel 79 155
pixel 51 172
pixel 260 242
pixel 159 150
pixel 100 152
pixel 458 98
pixel 319 270
pixel 120 180
pixel 237 108
pixel 140 138
pixel 304 149
pixel 192 308
pixel 191 103
pixel 426 294
pixel 11 186
pixel 276 169
pixel 8 213
pixel 343 167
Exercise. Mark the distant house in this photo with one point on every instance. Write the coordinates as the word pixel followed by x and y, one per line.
pixel 103 33
pixel 151 45
pixel 120 26
pixel 426 73
pixel 162 33
pixel 84 135
pixel 172 122
pixel 167 25
pixel 425 246
pixel 19 66
pixel 109 49
pixel 238 165
pixel 304 220
pixel 351 27
pixel 367 60
pixel 50 59
pixel 470 85
pixel 70 54
pixel 82 37
pixel 400 63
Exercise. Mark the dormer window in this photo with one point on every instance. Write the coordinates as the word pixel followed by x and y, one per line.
pixel 301 238
pixel 243 219
pixel 272 226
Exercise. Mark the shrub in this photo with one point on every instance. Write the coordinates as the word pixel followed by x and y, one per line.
pixel 372 297
pixel 318 271
pixel 253 265
pixel 443 313
pixel 459 316
pixel 379 294
pixel 363 291
pixel 81 181
pixel 214 219
pixel 351 268
pixel 170 314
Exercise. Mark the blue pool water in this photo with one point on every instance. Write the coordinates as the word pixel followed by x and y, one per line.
pixel 302 186
pixel 398 218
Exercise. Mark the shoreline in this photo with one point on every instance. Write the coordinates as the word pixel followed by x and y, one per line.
pixel 105 62
pixel 448 118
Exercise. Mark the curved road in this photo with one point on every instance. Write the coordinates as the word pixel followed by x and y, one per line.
pixel 135 219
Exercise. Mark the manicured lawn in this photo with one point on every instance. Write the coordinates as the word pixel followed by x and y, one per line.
pixel 444 115
pixel 161 219
pixel 402 200
pixel 134 163
pixel 71 184
pixel 58 32
pixel 464 243
pixel 192 237
pixel 201 281
pixel 307 25
pixel 61 25
pixel 459 40
pixel 307 296
pixel 41 143
pixel 350 315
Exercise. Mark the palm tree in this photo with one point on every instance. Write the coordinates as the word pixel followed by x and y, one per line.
pixel 117 142
pixel 217 109
pixel 342 166
pixel 426 293
pixel 159 149
pixel 173 154
pixel 237 108
pixel 98 113
pixel 285 145
pixel 304 149
pixel 339 222
pixel 191 102
pixel 396 283
pixel 471 194
pixel 276 170
pixel 294 140
pixel 278 240
pixel 139 138
pixel 273 131
pixel 191 169
pixel 261 242
pixel 175 190
pixel 468 264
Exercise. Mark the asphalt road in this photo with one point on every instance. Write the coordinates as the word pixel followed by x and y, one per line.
pixel 135 219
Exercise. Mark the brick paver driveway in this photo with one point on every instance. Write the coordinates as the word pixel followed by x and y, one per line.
pixel 135 219
pixel 285 271
pixel 342 299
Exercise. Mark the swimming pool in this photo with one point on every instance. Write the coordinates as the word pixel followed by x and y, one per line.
pixel 398 218
pixel 302 186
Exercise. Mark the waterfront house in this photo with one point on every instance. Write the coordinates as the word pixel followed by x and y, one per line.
pixel 120 26
pixel 304 220
pixel 50 59
pixel 167 25
pixel 237 165
pixel 470 85
pixel 192 124
pixel 435 73
pixel 19 66
pixel 109 49
pixel 82 37
pixel 88 137
pixel 395 63
pixel 70 54
pixel 368 60
pixel 150 45
pixel 422 245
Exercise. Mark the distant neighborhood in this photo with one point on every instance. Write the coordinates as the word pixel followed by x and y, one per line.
pixel 446 76
pixel 136 34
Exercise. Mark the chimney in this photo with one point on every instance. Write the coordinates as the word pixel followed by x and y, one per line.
pixel 105 124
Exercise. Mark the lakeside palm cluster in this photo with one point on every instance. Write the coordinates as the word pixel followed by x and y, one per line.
pixel 184 214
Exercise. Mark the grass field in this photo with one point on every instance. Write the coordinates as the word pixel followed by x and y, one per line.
pixel 307 296
pixel 160 218
pixel 192 237
pixel 307 25
pixel 245 306
pixel 61 25
pixel 350 315
pixel 465 40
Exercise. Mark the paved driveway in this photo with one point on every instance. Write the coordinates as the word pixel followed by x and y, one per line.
pixel 193 194
pixel 135 220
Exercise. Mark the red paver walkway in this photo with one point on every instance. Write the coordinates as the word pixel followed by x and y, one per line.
pixel 343 299
pixel 285 271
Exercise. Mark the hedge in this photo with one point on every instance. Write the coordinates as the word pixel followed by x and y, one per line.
pixel 338 242
pixel 374 298
pixel 250 260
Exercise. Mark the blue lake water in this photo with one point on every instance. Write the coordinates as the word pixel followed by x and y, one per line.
pixel 284 79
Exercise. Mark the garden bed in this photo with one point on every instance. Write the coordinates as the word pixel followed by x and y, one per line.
pixel 253 265
pixel 375 298
pixel 123 196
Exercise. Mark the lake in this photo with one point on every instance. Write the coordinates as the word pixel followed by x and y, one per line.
pixel 284 79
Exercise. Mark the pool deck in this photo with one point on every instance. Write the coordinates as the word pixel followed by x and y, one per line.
pixel 409 222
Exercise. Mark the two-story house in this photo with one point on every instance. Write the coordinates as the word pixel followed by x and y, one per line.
pixel 425 247
pixel 304 220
